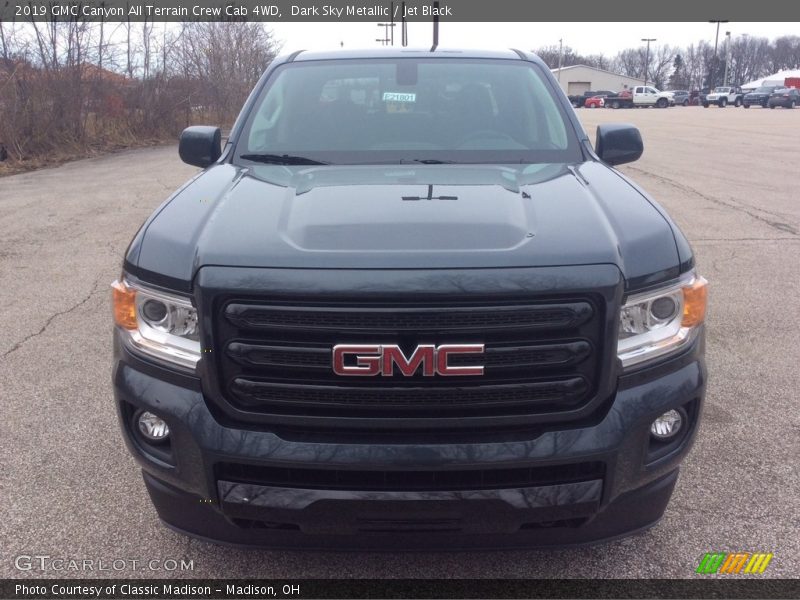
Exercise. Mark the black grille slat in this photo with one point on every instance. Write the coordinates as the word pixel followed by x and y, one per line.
pixel 567 391
pixel 565 316
pixel 515 356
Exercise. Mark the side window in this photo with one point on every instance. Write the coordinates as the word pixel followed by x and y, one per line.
pixel 639 90
pixel 651 90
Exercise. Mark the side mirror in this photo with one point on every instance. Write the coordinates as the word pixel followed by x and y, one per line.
pixel 200 145
pixel 618 143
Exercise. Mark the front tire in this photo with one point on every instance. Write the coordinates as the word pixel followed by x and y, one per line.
pixel 792 104
pixel 686 103
pixel 662 103
pixel 738 103
pixel 723 102
pixel 746 105
pixel 705 104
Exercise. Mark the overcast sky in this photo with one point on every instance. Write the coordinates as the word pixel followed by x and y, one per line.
pixel 584 38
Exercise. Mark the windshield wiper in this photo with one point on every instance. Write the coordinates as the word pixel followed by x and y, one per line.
pixel 431 161
pixel 282 159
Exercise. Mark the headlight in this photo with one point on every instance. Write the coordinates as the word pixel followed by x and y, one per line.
pixel 655 324
pixel 158 324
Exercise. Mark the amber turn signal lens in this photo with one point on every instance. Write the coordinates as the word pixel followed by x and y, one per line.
pixel 124 305
pixel 695 297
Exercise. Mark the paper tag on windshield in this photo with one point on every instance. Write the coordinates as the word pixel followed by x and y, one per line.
pixel 399 97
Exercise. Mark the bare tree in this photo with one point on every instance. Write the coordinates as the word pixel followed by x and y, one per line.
pixel 660 67
pixel 226 58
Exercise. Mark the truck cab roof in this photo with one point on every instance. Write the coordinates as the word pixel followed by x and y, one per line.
pixel 399 52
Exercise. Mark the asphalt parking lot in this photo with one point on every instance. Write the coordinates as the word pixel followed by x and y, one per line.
pixel 729 177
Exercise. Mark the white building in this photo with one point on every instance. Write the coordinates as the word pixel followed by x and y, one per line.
pixel 776 79
pixel 577 79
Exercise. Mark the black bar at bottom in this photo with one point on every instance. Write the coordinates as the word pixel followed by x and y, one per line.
pixel 206 589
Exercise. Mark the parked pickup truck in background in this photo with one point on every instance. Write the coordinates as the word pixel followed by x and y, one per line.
pixel 722 96
pixel 580 101
pixel 641 96
pixel 408 303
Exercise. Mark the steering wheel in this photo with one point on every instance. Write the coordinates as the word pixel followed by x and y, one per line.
pixel 486 134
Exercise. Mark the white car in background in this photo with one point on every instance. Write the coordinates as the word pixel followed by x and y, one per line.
pixel 724 95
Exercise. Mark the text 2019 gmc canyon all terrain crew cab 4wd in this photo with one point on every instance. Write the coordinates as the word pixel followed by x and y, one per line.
pixel 408 304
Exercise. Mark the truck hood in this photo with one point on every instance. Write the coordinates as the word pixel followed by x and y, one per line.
pixel 427 216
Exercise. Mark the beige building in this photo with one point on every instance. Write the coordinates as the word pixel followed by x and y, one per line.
pixel 577 79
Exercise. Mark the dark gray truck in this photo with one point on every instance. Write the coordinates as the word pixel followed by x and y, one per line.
pixel 408 304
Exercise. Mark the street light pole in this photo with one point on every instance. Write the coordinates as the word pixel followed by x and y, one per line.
pixel 716 60
pixel 647 57
pixel 727 56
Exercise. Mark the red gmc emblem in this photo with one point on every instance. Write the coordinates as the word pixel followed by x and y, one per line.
pixel 382 359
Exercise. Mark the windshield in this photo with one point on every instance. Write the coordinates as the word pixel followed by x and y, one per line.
pixel 722 90
pixel 379 111
pixel 764 90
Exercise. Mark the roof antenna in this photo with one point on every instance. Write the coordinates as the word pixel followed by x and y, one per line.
pixel 435 25
pixel 403 29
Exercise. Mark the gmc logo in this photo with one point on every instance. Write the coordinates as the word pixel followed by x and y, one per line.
pixel 382 359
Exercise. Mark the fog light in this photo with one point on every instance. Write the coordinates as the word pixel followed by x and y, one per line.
pixel 152 427
pixel 667 425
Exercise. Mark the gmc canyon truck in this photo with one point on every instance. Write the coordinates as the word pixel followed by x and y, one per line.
pixel 408 304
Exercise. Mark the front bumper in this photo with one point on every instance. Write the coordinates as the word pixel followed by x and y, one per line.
pixel 628 493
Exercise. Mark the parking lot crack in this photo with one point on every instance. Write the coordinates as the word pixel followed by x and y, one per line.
pixel 775 224
pixel 51 318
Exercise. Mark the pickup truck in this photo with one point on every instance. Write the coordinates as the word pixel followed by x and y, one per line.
pixel 407 303
pixel 580 101
pixel 724 95
pixel 641 96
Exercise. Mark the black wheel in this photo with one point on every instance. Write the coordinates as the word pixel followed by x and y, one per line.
pixel 792 104
pixel 615 104
pixel 686 102
pixel 746 105
pixel 738 102
pixel 705 104
pixel 772 106
pixel 575 104
pixel 662 103
pixel 723 102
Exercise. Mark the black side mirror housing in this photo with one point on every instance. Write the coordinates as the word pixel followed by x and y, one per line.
pixel 618 143
pixel 200 145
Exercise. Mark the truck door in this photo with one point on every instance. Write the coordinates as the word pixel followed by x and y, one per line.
pixel 643 97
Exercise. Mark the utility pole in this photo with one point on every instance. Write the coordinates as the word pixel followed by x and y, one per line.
pixel 727 56
pixel 647 57
pixel 560 54
pixel 716 59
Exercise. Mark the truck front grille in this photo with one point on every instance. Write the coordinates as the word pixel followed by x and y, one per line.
pixel 275 359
